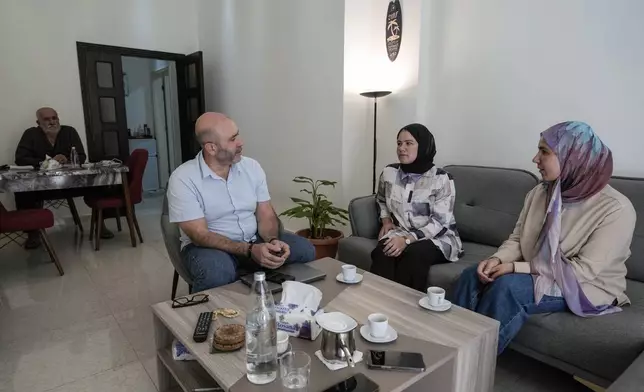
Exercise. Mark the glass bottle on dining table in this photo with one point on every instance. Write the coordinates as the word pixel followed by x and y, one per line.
pixel 261 333
pixel 73 157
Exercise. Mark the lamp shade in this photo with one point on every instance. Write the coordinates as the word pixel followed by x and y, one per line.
pixel 375 94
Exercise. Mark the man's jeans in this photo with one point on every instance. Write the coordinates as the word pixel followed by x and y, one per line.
pixel 509 299
pixel 213 268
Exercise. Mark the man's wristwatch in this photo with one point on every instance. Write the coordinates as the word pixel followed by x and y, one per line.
pixel 407 241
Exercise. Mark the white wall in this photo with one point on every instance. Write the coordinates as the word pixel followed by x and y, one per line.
pixel 138 102
pixel 39 65
pixel 276 68
pixel 486 77
pixel 293 87
pixel 399 108
pixel 357 150
pixel 494 74
pixel 367 68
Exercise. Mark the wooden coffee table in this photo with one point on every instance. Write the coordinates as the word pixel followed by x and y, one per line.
pixel 459 346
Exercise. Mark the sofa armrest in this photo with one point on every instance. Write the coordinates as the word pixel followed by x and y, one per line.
pixel 632 379
pixel 363 216
pixel 357 251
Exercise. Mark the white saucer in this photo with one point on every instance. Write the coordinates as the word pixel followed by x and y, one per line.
pixel 340 278
pixel 424 302
pixel 336 322
pixel 391 335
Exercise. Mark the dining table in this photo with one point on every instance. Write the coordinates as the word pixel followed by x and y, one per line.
pixel 18 180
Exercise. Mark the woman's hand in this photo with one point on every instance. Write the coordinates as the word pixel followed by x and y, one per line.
pixel 394 246
pixel 387 224
pixel 501 269
pixel 485 268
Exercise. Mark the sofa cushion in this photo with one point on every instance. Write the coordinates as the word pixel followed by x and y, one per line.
pixel 445 275
pixel 604 345
pixel 633 188
pixel 363 216
pixel 489 201
pixel 357 251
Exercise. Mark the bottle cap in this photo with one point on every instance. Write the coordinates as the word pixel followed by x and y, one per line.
pixel 260 276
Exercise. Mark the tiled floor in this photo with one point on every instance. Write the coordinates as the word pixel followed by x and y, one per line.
pixel 91 330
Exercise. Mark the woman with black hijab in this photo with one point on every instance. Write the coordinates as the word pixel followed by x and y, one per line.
pixel 416 202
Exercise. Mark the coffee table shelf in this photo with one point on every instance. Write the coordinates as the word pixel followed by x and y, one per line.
pixel 190 375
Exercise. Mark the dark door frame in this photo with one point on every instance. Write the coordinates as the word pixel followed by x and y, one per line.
pixel 83 47
pixel 130 52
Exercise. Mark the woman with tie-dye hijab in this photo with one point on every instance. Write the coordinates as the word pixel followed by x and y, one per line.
pixel 569 247
pixel 586 167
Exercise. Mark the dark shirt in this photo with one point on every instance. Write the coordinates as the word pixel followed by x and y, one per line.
pixel 34 145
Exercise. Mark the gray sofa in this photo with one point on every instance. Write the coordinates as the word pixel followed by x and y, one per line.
pixel 488 203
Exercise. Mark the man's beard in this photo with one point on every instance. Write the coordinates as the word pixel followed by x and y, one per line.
pixel 52 128
pixel 226 157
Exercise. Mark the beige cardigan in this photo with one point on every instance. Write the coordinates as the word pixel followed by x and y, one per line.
pixel 595 237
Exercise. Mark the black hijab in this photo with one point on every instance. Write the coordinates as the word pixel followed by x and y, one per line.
pixel 426 149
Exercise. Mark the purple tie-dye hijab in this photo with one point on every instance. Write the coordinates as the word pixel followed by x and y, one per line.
pixel 586 166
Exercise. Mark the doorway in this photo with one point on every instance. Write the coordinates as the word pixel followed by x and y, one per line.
pixel 152 113
pixel 166 119
pixel 103 89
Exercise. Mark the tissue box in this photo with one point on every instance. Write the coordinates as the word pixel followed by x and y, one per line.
pixel 298 322
pixel 180 352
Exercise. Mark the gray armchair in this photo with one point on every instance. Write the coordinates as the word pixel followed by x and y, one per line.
pixel 363 217
pixel 171 237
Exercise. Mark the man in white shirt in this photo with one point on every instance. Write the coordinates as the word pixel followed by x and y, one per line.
pixel 221 202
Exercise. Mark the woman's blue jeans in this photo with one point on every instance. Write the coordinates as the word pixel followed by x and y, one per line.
pixel 509 299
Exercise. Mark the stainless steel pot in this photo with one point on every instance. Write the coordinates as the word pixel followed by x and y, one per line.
pixel 338 346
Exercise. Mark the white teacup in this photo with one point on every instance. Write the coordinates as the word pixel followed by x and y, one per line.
pixel 282 342
pixel 349 273
pixel 436 296
pixel 378 324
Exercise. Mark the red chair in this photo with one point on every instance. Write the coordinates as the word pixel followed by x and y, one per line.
pixel 13 223
pixel 136 163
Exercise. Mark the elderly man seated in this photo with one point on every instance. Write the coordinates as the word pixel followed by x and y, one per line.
pixel 55 140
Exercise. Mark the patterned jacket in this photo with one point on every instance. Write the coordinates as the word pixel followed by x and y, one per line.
pixel 421 205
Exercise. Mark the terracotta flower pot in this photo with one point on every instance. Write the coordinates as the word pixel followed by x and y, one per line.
pixel 324 247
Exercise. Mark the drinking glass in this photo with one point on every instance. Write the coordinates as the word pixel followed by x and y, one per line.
pixel 295 370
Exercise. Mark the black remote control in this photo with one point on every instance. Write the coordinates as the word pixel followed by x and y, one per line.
pixel 202 327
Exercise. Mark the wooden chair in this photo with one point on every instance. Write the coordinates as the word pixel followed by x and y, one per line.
pixel 69 203
pixel 13 223
pixel 136 164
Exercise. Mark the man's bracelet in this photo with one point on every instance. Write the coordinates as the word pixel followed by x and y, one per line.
pixel 271 239
pixel 249 254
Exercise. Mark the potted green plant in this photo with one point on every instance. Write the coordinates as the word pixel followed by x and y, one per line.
pixel 321 214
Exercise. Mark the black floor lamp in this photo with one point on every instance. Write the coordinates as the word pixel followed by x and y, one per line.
pixel 375 95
